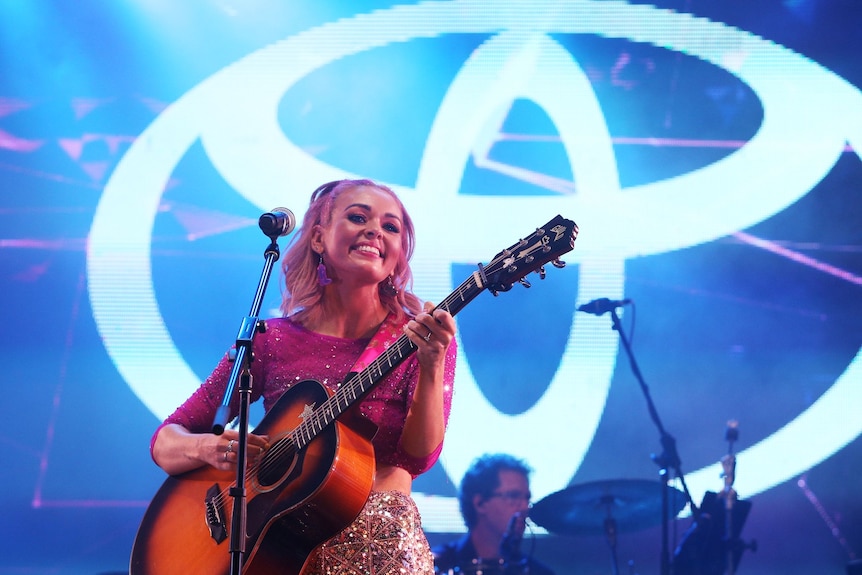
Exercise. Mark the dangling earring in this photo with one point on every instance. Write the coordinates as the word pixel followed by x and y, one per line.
pixel 388 288
pixel 322 278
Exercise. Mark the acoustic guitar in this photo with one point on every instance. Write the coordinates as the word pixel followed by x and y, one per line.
pixel 316 476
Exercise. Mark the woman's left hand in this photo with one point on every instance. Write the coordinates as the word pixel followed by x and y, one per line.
pixel 431 331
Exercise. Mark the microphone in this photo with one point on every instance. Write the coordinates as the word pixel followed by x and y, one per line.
pixel 510 546
pixel 603 305
pixel 278 222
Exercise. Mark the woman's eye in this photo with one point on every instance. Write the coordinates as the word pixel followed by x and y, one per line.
pixel 391 228
pixel 356 218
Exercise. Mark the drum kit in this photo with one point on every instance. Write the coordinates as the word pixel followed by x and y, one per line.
pixel 614 506
pixel 711 546
pixel 595 508
pixel 606 508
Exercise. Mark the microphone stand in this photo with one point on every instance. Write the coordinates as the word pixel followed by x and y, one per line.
pixel 669 458
pixel 250 326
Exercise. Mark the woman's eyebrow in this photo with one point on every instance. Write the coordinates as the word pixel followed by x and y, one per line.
pixel 367 208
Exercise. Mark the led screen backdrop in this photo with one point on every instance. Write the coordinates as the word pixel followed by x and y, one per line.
pixel 708 151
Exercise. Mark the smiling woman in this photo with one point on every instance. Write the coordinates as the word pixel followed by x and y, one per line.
pixel 364 236
pixel 330 329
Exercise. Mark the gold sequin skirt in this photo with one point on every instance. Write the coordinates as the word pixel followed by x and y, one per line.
pixel 385 539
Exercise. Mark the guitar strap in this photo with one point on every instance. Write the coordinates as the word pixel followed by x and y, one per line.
pixel 386 335
pixel 388 332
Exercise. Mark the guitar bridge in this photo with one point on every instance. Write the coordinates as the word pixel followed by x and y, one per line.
pixel 214 504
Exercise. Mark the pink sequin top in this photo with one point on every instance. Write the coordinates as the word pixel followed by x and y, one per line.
pixel 288 353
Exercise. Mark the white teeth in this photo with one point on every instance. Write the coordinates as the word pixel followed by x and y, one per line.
pixel 369 249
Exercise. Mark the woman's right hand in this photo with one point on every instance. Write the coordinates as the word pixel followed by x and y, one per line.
pixel 177 450
pixel 224 454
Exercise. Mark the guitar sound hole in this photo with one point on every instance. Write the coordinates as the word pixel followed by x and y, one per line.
pixel 276 463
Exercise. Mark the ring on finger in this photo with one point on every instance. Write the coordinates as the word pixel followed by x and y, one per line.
pixel 230 446
pixel 427 336
pixel 225 455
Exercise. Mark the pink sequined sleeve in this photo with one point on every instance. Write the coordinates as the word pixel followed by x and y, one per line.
pixel 419 465
pixel 287 353
pixel 197 412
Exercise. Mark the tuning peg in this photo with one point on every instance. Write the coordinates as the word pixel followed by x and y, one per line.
pixel 541 271
pixel 558 263
pixel 524 282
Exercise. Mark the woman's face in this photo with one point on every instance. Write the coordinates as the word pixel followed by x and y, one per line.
pixel 362 242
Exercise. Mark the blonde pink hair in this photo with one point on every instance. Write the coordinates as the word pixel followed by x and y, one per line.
pixel 302 291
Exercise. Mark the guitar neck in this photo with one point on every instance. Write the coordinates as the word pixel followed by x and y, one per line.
pixel 359 384
pixel 511 265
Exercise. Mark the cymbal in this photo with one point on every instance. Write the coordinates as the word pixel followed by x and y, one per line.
pixel 582 509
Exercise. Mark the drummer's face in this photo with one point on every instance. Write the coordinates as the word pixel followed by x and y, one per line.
pixel 511 496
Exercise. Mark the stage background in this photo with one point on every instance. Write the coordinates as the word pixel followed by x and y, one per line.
pixel 709 152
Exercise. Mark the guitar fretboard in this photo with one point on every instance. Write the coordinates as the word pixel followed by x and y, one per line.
pixel 510 265
pixel 354 388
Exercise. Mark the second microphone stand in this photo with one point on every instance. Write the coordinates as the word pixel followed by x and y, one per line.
pixel 668 460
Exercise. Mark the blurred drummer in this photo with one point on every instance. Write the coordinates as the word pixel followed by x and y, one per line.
pixel 495 501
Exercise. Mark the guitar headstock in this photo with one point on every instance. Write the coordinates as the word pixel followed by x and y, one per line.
pixel 530 254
